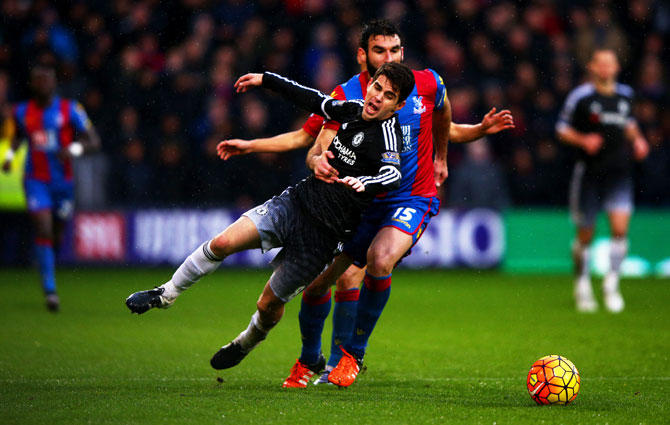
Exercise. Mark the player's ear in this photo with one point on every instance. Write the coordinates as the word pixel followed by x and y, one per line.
pixel 399 106
pixel 402 54
pixel 361 57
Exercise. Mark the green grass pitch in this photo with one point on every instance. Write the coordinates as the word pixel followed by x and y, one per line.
pixel 451 347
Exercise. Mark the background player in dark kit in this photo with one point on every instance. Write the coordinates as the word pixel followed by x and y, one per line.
pixel 597 118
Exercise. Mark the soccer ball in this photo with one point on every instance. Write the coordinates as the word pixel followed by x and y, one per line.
pixel 553 380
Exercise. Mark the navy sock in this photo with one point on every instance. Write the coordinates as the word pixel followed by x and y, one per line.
pixel 344 319
pixel 47 264
pixel 313 313
pixel 374 295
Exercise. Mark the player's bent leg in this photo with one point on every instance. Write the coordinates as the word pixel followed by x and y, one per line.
pixel 203 261
pixel 619 221
pixel 270 310
pixel 583 292
pixel 386 250
pixel 347 294
pixel 314 309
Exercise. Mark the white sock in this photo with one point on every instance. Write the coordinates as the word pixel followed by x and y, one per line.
pixel 254 334
pixel 200 263
pixel 618 251
pixel 583 253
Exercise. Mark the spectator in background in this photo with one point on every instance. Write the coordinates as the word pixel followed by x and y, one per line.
pixel 477 181
pixel 163 58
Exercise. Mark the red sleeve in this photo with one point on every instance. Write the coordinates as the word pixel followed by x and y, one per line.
pixel 338 94
pixel 313 125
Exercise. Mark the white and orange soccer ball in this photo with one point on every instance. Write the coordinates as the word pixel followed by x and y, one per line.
pixel 553 380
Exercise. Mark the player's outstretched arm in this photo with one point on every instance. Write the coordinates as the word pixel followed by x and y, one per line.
pixel 492 123
pixel 281 143
pixel 248 81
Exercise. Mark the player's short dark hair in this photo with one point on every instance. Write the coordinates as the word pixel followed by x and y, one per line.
pixel 377 27
pixel 400 77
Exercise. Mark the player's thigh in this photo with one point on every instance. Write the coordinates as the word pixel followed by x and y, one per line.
pixel 584 199
pixel 239 236
pixel 618 202
pixel 38 195
pixel 62 195
pixel 387 248
pixel 332 274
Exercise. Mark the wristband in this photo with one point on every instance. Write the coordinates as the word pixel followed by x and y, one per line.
pixel 9 155
pixel 75 149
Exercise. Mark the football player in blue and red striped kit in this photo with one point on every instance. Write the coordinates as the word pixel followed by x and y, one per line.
pixel 395 222
pixel 49 124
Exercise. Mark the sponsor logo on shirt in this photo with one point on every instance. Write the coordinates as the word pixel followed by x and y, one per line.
pixel 406 138
pixel 619 118
pixel 345 154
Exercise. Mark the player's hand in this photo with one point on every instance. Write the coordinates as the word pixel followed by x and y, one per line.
pixel 229 148
pixel 323 170
pixel 640 148
pixel 6 166
pixel 248 81
pixel 440 171
pixel 493 122
pixel 591 143
pixel 353 183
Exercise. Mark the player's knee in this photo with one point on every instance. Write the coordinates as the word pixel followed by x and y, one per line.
pixel 619 233
pixel 220 245
pixel 381 262
pixel 268 304
pixel 350 279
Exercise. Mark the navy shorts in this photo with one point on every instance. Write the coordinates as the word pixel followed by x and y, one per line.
pixel 410 216
pixel 307 247
pixel 589 194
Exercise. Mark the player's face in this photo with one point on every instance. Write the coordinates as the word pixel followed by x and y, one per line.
pixel 604 65
pixel 381 49
pixel 381 101
pixel 43 82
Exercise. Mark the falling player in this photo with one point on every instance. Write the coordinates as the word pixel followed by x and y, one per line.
pixel 597 119
pixel 49 123
pixel 310 219
pixel 426 118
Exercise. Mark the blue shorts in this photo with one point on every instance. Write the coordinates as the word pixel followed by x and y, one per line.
pixel 55 196
pixel 410 216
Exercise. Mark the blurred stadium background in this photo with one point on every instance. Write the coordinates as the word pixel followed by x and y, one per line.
pixel 156 79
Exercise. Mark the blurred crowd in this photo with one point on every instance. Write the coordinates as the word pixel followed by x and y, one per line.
pixel 156 78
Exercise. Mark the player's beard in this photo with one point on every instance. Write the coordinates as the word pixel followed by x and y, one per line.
pixel 371 68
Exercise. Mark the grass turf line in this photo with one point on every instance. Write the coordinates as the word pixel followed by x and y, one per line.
pixel 451 347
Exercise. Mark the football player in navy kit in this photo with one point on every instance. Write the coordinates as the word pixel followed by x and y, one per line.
pixel 597 119
pixel 312 218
